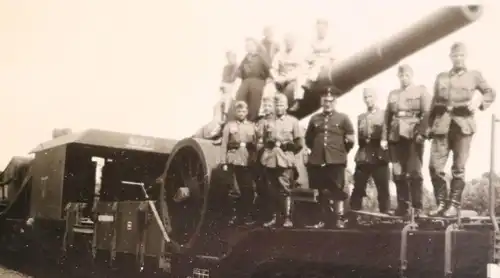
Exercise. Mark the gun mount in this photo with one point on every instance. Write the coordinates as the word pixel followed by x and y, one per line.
pixel 193 162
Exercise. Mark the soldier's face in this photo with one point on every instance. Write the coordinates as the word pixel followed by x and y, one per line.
pixel 328 104
pixel 405 79
pixel 267 107
pixel 369 99
pixel 241 113
pixel 321 29
pixel 231 58
pixel 280 108
pixel 458 59
pixel 251 47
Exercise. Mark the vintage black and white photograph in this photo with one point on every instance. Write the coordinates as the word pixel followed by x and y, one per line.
pixel 249 139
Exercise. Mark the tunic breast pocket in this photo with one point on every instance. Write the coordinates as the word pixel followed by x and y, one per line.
pixel 413 103
pixel 335 129
pixel 233 129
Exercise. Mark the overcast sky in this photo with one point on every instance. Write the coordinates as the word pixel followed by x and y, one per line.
pixel 152 67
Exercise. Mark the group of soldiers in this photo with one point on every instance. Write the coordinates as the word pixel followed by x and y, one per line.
pixel 261 148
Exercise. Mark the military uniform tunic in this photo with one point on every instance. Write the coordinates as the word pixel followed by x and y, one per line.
pixel 290 67
pixel 371 160
pixel 330 136
pixel 406 116
pixel 452 126
pixel 253 71
pixel 238 152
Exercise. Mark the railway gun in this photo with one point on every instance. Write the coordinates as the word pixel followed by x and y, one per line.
pixel 94 198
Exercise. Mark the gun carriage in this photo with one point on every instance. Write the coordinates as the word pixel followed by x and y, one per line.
pixel 128 214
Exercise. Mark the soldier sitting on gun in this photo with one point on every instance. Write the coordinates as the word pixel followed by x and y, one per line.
pixel 237 156
pixel 330 136
pixel 282 140
pixel 288 70
pixel 453 126
pixel 371 160
pixel 321 54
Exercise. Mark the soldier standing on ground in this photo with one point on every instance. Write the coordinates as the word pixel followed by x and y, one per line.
pixel 453 126
pixel 253 71
pixel 237 156
pixel 371 160
pixel 330 136
pixel 404 133
pixel 288 70
pixel 282 140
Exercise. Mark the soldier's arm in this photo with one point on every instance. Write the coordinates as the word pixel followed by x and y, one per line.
pixel 309 136
pixel 425 109
pixel 489 95
pixel 259 127
pixel 252 145
pixel 298 138
pixel 349 133
pixel 223 146
pixel 432 112
pixel 387 120
pixel 360 142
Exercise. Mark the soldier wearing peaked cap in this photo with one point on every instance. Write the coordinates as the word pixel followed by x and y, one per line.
pixel 371 160
pixel 282 139
pixel 330 137
pixel 237 156
pixel 452 127
pixel 404 133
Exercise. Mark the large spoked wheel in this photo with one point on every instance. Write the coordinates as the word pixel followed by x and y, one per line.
pixel 185 187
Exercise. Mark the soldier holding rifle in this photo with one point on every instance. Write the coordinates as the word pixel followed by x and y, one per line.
pixel 453 126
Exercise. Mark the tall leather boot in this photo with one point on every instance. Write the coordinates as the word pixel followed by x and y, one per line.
pixel 403 195
pixel 456 190
pixel 441 193
pixel 288 213
pixel 339 214
pixel 416 187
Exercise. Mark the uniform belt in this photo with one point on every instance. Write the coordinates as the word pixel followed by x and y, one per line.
pixel 402 114
pixel 455 110
pixel 284 146
pixel 235 146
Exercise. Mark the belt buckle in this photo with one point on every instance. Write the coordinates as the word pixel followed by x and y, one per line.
pixel 243 144
pixel 367 140
pixel 449 108
pixel 401 113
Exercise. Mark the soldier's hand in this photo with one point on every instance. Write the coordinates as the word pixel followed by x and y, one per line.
pixel 419 139
pixel 224 167
pixel 383 144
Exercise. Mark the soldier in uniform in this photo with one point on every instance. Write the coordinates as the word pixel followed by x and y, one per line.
pixel 453 126
pixel 261 182
pixel 253 71
pixel 404 132
pixel 371 160
pixel 237 155
pixel 330 137
pixel 269 46
pixel 282 140
pixel 288 70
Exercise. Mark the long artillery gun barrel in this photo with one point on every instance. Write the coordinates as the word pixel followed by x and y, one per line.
pixel 346 74
pixel 192 165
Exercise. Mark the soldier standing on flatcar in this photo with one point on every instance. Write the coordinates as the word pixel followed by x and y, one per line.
pixel 371 160
pixel 237 156
pixel 282 140
pixel 404 133
pixel 261 182
pixel 330 137
pixel 453 126
pixel 253 71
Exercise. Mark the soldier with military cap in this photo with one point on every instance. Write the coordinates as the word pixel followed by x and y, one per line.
pixel 330 137
pixel 404 133
pixel 452 127
pixel 282 139
pixel 237 156
pixel 371 160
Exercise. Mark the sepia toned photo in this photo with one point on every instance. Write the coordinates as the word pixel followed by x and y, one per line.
pixel 249 139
